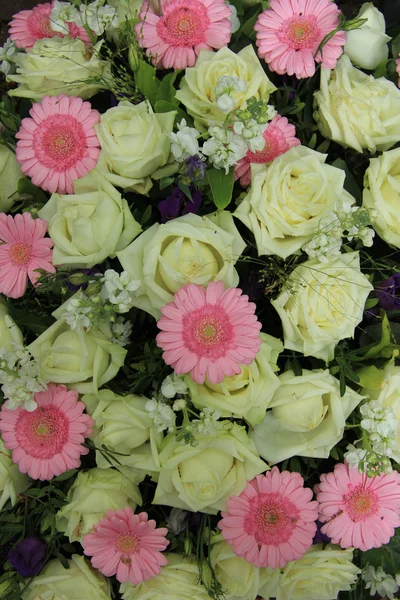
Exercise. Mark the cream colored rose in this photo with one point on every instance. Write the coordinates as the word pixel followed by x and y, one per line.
pixel 240 579
pixel 319 575
pixel 57 66
pixel 127 13
pixel 388 394
pixel 382 193
pixel 92 494
pixel 357 110
pixel 288 199
pixel 123 425
pixel 87 228
pixel 308 417
pixel 83 361
pixel 10 174
pixel 135 145
pixel 178 580
pixel 248 394
pixel 322 303
pixel 197 89
pixel 204 476
pixel 9 331
pixel 367 46
pixel 79 582
pixel 190 249
pixel 12 482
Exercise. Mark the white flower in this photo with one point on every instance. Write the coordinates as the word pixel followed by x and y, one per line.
pixel 379 419
pixel 62 13
pixel 380 582
pixel 172 385
pixel 179 405
pixel 184 143
pixel 354 456
pixel 228 84
pixel 226 103
pixel 224 148
pixel 162 415
pixel 99 17
pixel 118 288
pixel 234 19
pixel 7 56
pixel 207 424
pixel 121 331
pixel 75 314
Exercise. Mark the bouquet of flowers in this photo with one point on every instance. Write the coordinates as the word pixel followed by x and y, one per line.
pixel 199 301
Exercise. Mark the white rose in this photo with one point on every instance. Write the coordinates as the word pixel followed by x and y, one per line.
pixel 321 303
pixel 357 110
pixel 92 494
pixel 367 46
pixel 308 417
pixel 388 394
pixel 9 331
pixel 189 249
pixel 198 87
pixel 240 579
pixel 10 174
pixel 12 482
pixel 57 66
pixel 248 394
pixel 135 145
pixel 381 194
pixel 288 199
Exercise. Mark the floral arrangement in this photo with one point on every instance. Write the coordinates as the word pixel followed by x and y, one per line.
pixel 200 301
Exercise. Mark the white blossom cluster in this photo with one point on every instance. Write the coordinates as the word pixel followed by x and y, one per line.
pixel 224 147
pixel 379 582
pixel 172 385
pixel 118 289
pixel 208 422
pixel 184 142
pixel 121 331
pixel 162 415
pixel 381 424
pixel 20 378
pixel 97 15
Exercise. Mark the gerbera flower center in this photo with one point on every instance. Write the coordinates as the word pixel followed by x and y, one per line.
pixel 361 503
pixel 271 519
pixel 43 432
pixel 301 32
pixel 183 23
pixel 20 254
pixel 127 543
pixel 207 331
pixel 61 142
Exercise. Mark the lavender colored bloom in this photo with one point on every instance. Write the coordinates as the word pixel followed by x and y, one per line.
pixel 28 556
pixel 320 537
pixel 178 204
pixel 195 168
pixel 388 293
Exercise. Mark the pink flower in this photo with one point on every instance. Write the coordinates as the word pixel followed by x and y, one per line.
pixel 58 144
pixel 29 26
pixel 209 332
pixel 174 36
pixel 398 69
pixel 127 545
pixel 358 511
pixel 22 250
pixel 279 137
pixel 47 441
pixel 272 521
pixel 290 31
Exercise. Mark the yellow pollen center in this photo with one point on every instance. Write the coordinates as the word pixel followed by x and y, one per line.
pixel 42 430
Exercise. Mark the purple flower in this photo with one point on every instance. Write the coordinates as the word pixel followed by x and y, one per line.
pixel 178 204
pixel 28 556
pixel 195 168
pixel 388 293
pixel 319 536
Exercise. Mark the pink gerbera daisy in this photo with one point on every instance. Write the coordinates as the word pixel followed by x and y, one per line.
pixel 272 521
pixel 209 332
pixel 127 545
pixel 29 26
pixel 279 137
pixel 58 144
pixel 290 31
pixel 358 511
pixel 174 35
pixel 22 250
pixel 47 441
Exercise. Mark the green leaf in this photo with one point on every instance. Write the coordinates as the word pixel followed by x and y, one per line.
pixel 65 476
pixel 334 453
pixel 147 82
pixel 396 46
pixel 165 182
pixel 350 183
pixel 371 377
pixel 324 147
pixel 146 215
pixel 381 69
pixel 25 186
pixel 186 190
pixel 371 302
pixel 166 91
pixel 247 28
pixel 221 185
pixel 161 106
